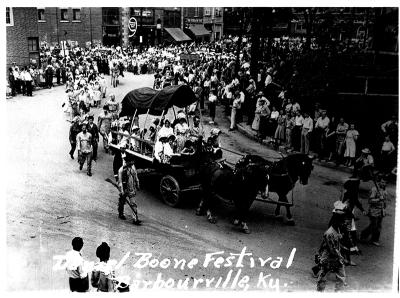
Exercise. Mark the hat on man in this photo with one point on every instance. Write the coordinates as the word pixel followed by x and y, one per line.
pixel 163 139
pixel 171 137
pixel 260 93
pixel 135 127
pixel 366 151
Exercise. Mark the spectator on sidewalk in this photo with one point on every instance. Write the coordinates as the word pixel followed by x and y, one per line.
pixel 321 127
pixel 103 272
pixel 236 106
pixel 387 156
pixel 212 101
pixel 290 122
pixel 341 131
pixel 262 110
pixel 279 135
pixel 11 81
pixel 296 133
pixel 351 138
pixel 305 133
pixel 390 128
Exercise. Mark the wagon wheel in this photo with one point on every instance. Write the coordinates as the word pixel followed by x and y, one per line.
pixel 170 191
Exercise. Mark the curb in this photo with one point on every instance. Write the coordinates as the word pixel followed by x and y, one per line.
pixel 246 132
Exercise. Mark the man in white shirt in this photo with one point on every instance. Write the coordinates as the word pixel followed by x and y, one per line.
pixel 321 127
pixel 296 133
pixel 305 133
pixel 78 278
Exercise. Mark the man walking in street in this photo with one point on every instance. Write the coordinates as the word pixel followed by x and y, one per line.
pixel 94 131
pixel 74 130
pixel 376 212
pixel 128 186
pixel 84 145
pixel 329 257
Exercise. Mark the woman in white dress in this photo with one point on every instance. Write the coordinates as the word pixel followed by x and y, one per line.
pixel 181 131
pixel 351 138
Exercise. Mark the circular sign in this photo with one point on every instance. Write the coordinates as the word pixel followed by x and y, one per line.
pixel 132 25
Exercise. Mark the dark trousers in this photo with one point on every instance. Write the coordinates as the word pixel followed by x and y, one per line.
pixel 23 83
pixel 117 163
pixel 211 106
pixel 374 229
pixel 73 147
pixel 296 135
pixel 95 146
pixel 28 88
pixel 340 278
pixel 79 284
pixel 88 158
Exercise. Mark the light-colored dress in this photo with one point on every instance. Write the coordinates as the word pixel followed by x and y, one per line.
pixel 351 137
pixel 181 131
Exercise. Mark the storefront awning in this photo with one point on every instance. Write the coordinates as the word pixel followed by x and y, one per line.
pixel 177 34
pixel 199 30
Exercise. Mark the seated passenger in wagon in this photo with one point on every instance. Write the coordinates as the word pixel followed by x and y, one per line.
pixel 163 151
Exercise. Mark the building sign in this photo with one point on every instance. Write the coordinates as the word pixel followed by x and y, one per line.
pixel 194 21
pixel 132 25
pixel 190 57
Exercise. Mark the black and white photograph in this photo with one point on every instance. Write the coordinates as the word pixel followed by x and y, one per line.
pixel 247 147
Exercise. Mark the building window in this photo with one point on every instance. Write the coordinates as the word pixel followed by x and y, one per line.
pixel 64 14
pixel 196 11
pixel 9 16
pixel 217 12
pixel 33 44
pixel 41 15
pixel 76 14
pixel 207 11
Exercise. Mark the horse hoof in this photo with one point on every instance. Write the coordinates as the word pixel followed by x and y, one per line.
pixel 246 231
pixel 200 212
pixel 212 220
pixel 236 222
pixel 278 217
pixel 290 222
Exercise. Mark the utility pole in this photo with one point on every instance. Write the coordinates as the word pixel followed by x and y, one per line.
pixel 90 19
pixel 239 43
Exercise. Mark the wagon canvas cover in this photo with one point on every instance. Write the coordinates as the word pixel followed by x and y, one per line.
pixel 144 99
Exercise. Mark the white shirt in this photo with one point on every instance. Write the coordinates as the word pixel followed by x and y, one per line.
pixel 268 80
pixel 74 264
pixel 299 120
pixel 165 132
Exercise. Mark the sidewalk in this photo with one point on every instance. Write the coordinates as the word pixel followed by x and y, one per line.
pixel 247 131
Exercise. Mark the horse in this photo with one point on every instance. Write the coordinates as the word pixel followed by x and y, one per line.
pixel 251 175
pixel 283 176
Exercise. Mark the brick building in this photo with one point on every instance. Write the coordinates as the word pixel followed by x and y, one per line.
pixel 80 25
pixel 22 35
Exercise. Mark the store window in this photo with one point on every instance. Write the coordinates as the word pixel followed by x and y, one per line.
pixel 9 16
pixel 64 14
pixel 76 14
pixel 41 15
pixel 207 11
pixel 217 12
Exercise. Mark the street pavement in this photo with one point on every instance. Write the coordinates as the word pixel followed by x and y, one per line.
pixel 49 201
